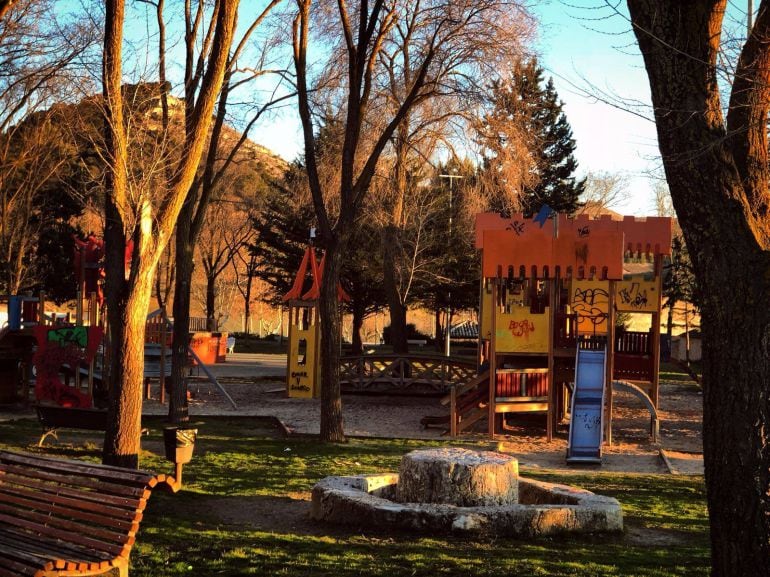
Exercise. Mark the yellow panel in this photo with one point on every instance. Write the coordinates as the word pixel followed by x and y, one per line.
pixel 487 308
pixel 591 301
pixel 302 377
pixel 637 296
pixel 520 331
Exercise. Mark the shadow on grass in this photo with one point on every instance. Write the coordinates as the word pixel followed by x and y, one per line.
pixel 244 512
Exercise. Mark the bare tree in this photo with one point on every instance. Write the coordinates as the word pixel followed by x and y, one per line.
pixel 147 221
pixel 604 190
pixel 203 188
pixel 717 170
pixel 226 232
pixel 39 50
pixel 446 33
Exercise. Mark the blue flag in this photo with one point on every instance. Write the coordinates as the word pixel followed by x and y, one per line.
pixel 543 215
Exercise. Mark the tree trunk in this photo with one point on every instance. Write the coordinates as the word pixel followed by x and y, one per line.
pixel 396 308
pixel 247 306
pixel 728 246
pixel 122 440
pixel 331 398
pixel 178 407
pixel 211 297
pixel 357 345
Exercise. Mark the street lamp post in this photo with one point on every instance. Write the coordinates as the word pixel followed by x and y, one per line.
pixel 448 336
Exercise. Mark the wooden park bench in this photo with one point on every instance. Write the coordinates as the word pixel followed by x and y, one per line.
pixel 53 417
pixel 66 518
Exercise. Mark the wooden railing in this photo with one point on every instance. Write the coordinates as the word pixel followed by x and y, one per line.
pixel 633 343
pixel 412 373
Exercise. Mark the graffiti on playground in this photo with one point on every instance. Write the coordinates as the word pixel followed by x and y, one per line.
pixel 590 300
pixel 521 328
pixel 634 297
pixel 637 296
pixel 516 226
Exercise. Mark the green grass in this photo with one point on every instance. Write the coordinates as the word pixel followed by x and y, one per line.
pixel 241 464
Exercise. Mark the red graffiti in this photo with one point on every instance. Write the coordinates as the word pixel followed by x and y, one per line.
pixel 521 328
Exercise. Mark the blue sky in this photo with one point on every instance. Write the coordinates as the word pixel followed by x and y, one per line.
pixel 588 49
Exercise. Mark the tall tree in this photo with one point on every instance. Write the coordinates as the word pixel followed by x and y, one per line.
pixel 202 189
pixel 718 173
pixel 529 141
pixel 147 221
pixel 428 127
pixel 363 29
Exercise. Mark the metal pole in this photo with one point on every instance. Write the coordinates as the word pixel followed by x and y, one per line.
pixel 750 18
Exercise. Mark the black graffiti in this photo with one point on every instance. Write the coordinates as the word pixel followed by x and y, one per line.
pixel 634 297
pixel 586 303
pixel 583 231
pixel 516 226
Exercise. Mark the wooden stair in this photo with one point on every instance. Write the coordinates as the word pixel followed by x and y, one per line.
pixel 468 404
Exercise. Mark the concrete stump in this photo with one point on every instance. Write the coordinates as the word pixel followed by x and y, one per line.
pixel 458 477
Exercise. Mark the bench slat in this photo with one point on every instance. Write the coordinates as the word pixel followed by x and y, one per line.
pixel 11 552
pixel 14 559
pixel 104 472
pixel 49 502
pixel 9 568
pixel 69 488
pixel 10 503
pixel 100 486
pixel 125 537
pixel 71 539
pixel 52 553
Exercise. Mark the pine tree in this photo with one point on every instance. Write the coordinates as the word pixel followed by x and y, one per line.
pixel 529 142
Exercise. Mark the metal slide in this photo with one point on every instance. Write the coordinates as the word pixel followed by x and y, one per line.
pixel 587 415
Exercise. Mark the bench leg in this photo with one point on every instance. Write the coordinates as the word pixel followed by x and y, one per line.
pixel 51 432
pixel 122 567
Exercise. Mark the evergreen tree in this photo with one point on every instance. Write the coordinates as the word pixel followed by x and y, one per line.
pixel 529 142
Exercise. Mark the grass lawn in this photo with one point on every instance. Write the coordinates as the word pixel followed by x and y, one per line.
pixel 244 512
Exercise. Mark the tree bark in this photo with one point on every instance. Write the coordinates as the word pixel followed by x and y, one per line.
pixel 331 398
pixel 728 245
pixel 357 345
pixel 178 410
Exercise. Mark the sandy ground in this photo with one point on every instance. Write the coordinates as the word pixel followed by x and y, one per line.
pixel 255 383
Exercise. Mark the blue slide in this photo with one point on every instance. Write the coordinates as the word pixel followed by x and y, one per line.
pixel 587 415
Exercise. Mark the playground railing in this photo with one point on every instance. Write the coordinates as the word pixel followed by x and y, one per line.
pixel 402 373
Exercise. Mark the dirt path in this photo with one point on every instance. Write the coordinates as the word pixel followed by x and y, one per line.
pixel 392 416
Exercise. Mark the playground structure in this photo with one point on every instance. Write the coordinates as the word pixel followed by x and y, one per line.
pixel 303 370
pixel 554 286
pixel 69 355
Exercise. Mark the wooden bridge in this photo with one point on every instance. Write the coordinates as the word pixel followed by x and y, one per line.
pixel 414 374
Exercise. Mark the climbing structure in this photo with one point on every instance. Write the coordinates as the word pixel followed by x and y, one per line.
pixel 552 285
pixel 303 371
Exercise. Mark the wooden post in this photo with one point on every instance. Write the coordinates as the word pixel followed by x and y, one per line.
pixel 552 305
pixel 162 364
pixel 610 356
pixel 93 320
pixel 453 411
pixel 656 333
pixel 41 309
pixel 493 360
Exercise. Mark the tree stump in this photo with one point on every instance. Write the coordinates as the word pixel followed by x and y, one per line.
pixel 459 477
